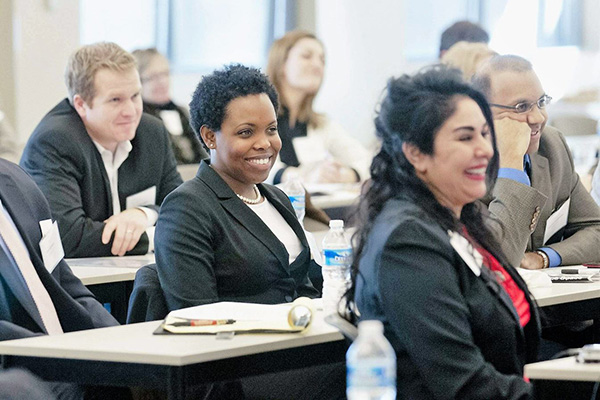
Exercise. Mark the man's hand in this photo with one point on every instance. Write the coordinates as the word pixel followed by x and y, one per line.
pixel 532 261
pixel 127 227
pixel 513 140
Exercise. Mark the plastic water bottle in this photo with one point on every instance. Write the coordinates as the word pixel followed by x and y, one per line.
pixel 337 259
pixel 295 191
pixel 371 365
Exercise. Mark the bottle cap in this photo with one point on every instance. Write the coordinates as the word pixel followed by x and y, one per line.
pixel 336 223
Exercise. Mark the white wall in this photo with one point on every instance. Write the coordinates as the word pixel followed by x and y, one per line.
pixel 364 42
pixel 363 45
pixel 44 33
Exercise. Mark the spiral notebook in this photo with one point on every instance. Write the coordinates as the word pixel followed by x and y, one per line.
pixel 239 318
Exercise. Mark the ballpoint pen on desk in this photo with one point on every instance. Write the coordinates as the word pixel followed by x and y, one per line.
pixel 203 322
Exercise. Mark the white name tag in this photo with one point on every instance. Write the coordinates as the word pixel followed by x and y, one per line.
pixel 50 245
pixel 172 121
pixel 144 198
pixel 465 250
pixel 557 220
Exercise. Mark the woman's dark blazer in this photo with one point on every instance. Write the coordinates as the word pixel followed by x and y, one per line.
pixel 211 247
pixel 456 335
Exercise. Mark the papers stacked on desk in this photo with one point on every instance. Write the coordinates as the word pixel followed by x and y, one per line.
pixel 241 318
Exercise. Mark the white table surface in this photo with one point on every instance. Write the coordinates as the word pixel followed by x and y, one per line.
pixel 563 369
pixel 121 262
pixel 559 293
pixel 136 344
pixel 99 275
pixel 333 195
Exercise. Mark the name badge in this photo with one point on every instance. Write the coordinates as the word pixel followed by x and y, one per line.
pixel 557 220
pixel 50 245
pixel 144 198
pixel 465 250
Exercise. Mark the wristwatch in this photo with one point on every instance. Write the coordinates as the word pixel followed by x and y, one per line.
pixel 545 258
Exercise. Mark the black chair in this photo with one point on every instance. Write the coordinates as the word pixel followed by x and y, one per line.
pixel 147 301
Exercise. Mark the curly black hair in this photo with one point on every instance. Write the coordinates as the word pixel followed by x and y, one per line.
pixel 215 91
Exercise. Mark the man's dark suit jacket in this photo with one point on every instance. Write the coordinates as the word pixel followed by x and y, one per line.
pixel 211 247
pixel 67 167
pixel 76 306
pixel 456 335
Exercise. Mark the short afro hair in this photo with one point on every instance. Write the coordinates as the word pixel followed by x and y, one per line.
pixel 215 92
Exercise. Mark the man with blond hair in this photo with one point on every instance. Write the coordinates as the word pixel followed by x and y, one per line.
pixel 104 166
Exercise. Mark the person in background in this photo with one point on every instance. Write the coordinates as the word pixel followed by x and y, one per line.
pixel 313 146
pixel 547 218
pixel 467 56
pixel 39 295
pixel 462 31
pixel 227 236
pixel 153 68
pixel 103 165
pixel 459 317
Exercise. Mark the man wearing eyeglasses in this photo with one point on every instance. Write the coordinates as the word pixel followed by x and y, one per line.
pixel 547 218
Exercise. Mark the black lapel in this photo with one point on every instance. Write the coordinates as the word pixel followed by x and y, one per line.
pixel 243 214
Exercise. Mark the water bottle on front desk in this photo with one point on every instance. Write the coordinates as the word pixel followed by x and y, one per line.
pixel 337 260
pixel 295 191
pixel 371 365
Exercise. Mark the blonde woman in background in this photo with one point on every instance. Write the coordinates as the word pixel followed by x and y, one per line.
pixel 316 148
pixel 467 56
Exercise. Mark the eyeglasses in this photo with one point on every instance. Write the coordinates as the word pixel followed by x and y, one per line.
pixel 522 108
pixel 155 77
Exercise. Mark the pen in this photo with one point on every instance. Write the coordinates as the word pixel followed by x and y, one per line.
pixel 203 322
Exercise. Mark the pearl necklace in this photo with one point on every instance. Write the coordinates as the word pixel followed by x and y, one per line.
pixel 251 201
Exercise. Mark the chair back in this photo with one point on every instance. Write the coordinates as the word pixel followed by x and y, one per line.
pixel 147 301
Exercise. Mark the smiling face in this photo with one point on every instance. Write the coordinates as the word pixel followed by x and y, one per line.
pixel 244 149
pixel 155 79
pixel 462 149
pixel 114 113
pixel 304 66
pixel 512 87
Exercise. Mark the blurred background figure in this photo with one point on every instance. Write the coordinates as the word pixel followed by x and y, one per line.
pixel 467 56
pixel 462 31
pixel 153 68
pixel 9 145
pixel 316 148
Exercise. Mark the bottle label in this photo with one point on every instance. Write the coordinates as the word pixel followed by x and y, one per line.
pixel 371 375
pixel 338 257
pixel 298 201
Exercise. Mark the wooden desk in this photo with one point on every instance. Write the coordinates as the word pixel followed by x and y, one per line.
pixel 130 355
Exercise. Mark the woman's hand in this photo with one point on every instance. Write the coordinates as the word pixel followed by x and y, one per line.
pixel 332 172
